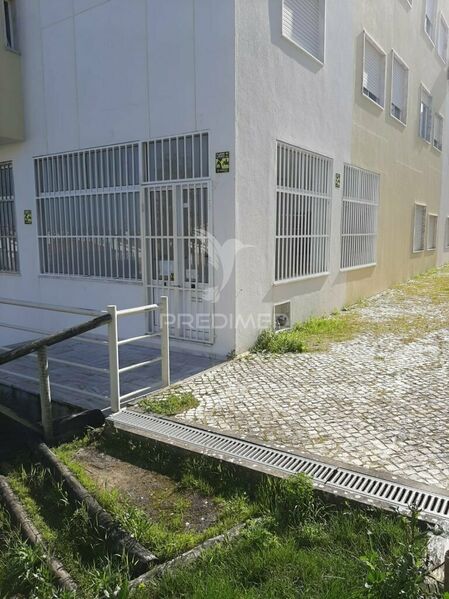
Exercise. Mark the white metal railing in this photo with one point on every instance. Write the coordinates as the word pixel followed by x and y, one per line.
pixel 110 317
pixel 114 343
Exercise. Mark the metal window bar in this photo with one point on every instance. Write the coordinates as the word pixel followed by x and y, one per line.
pixel 303 199
pixel 359 217
pixel 88 212
pixel 9 253
pixel 179 158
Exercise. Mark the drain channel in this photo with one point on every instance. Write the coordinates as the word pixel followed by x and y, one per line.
pixel 344 482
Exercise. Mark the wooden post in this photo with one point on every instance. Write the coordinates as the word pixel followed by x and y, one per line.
pixel 45 394
pixel 165 341
pixel 114 374
pixel 446 573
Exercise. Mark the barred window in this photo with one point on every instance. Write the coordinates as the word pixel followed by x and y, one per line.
pixel 419 228
pixel 359 217
pixel 89 213
pixel 303 202
pixel 9 255
pixel 446 233
pixel 432 232
pixel 176 158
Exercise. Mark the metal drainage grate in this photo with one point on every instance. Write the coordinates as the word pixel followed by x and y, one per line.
pixel 359 486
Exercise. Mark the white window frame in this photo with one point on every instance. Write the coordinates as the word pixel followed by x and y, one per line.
pixel 432 19
pixel 424 233
pixel 446 233
pixel 438 117
pixel 424 89
pixel 395 57
pixel 442 24
pixel 431 244
pixel 365 210
pixel 10 6
pixel 319 59
pixel 293 198
pixel 380 50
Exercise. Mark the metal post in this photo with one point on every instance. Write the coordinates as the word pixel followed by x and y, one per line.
pixel 165 342
pixel 45 394
pixel 114 374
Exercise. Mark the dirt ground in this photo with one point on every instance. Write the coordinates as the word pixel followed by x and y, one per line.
pixel 157 495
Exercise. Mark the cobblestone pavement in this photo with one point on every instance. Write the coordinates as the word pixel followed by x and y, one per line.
pixel 378 401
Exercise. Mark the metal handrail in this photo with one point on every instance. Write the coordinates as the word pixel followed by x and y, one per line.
pixel 49 307
pixel 109 317
pixel 31 346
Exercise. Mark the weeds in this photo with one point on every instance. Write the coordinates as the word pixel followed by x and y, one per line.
pixel 173 404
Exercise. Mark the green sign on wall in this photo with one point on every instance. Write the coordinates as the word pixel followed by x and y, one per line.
pixel 222 162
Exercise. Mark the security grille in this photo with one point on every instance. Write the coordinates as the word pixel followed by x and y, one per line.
pixel 359 217
pixel 176 158
pixel 438 132
pixel 373 72
pixel 303 200
pixel 443 36
pixel 399 88
pixel 303 23
pixel 432 232
pixel 425 115
pixel 419 229
pixel 9 256
pixel 177 235
pixel 88 213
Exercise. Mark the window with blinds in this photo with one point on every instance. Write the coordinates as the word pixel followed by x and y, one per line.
pixel 303 23
pixel 88 213
pixel 399 89
pixel 359 217
pixel 9 255
pixel 419 228
pixel 430 18
pixel 373 72
pixel 443 36
pixel 438 124
pixel 432 228
pixel 303 210
pixel 425 115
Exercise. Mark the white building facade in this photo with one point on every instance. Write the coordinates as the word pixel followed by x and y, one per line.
pixel 247 158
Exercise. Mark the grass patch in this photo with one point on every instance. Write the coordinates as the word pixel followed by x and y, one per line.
pixel 316 334
pixel 173 404
pixel 168 536
pixel 69 534
pixel 298 548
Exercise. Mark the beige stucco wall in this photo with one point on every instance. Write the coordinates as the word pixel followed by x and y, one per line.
pixel 11 101
pixel 410 168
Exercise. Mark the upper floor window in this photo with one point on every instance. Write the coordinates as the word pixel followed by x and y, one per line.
pixel 425 115
pixel 373 72
pixel 438 132
pixel 430 18
pixel 399 89
pixel 303 23
pixel 9 13
pixel 443 35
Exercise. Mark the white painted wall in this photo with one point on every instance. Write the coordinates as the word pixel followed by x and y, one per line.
pixel 294 99
pixel 101 72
